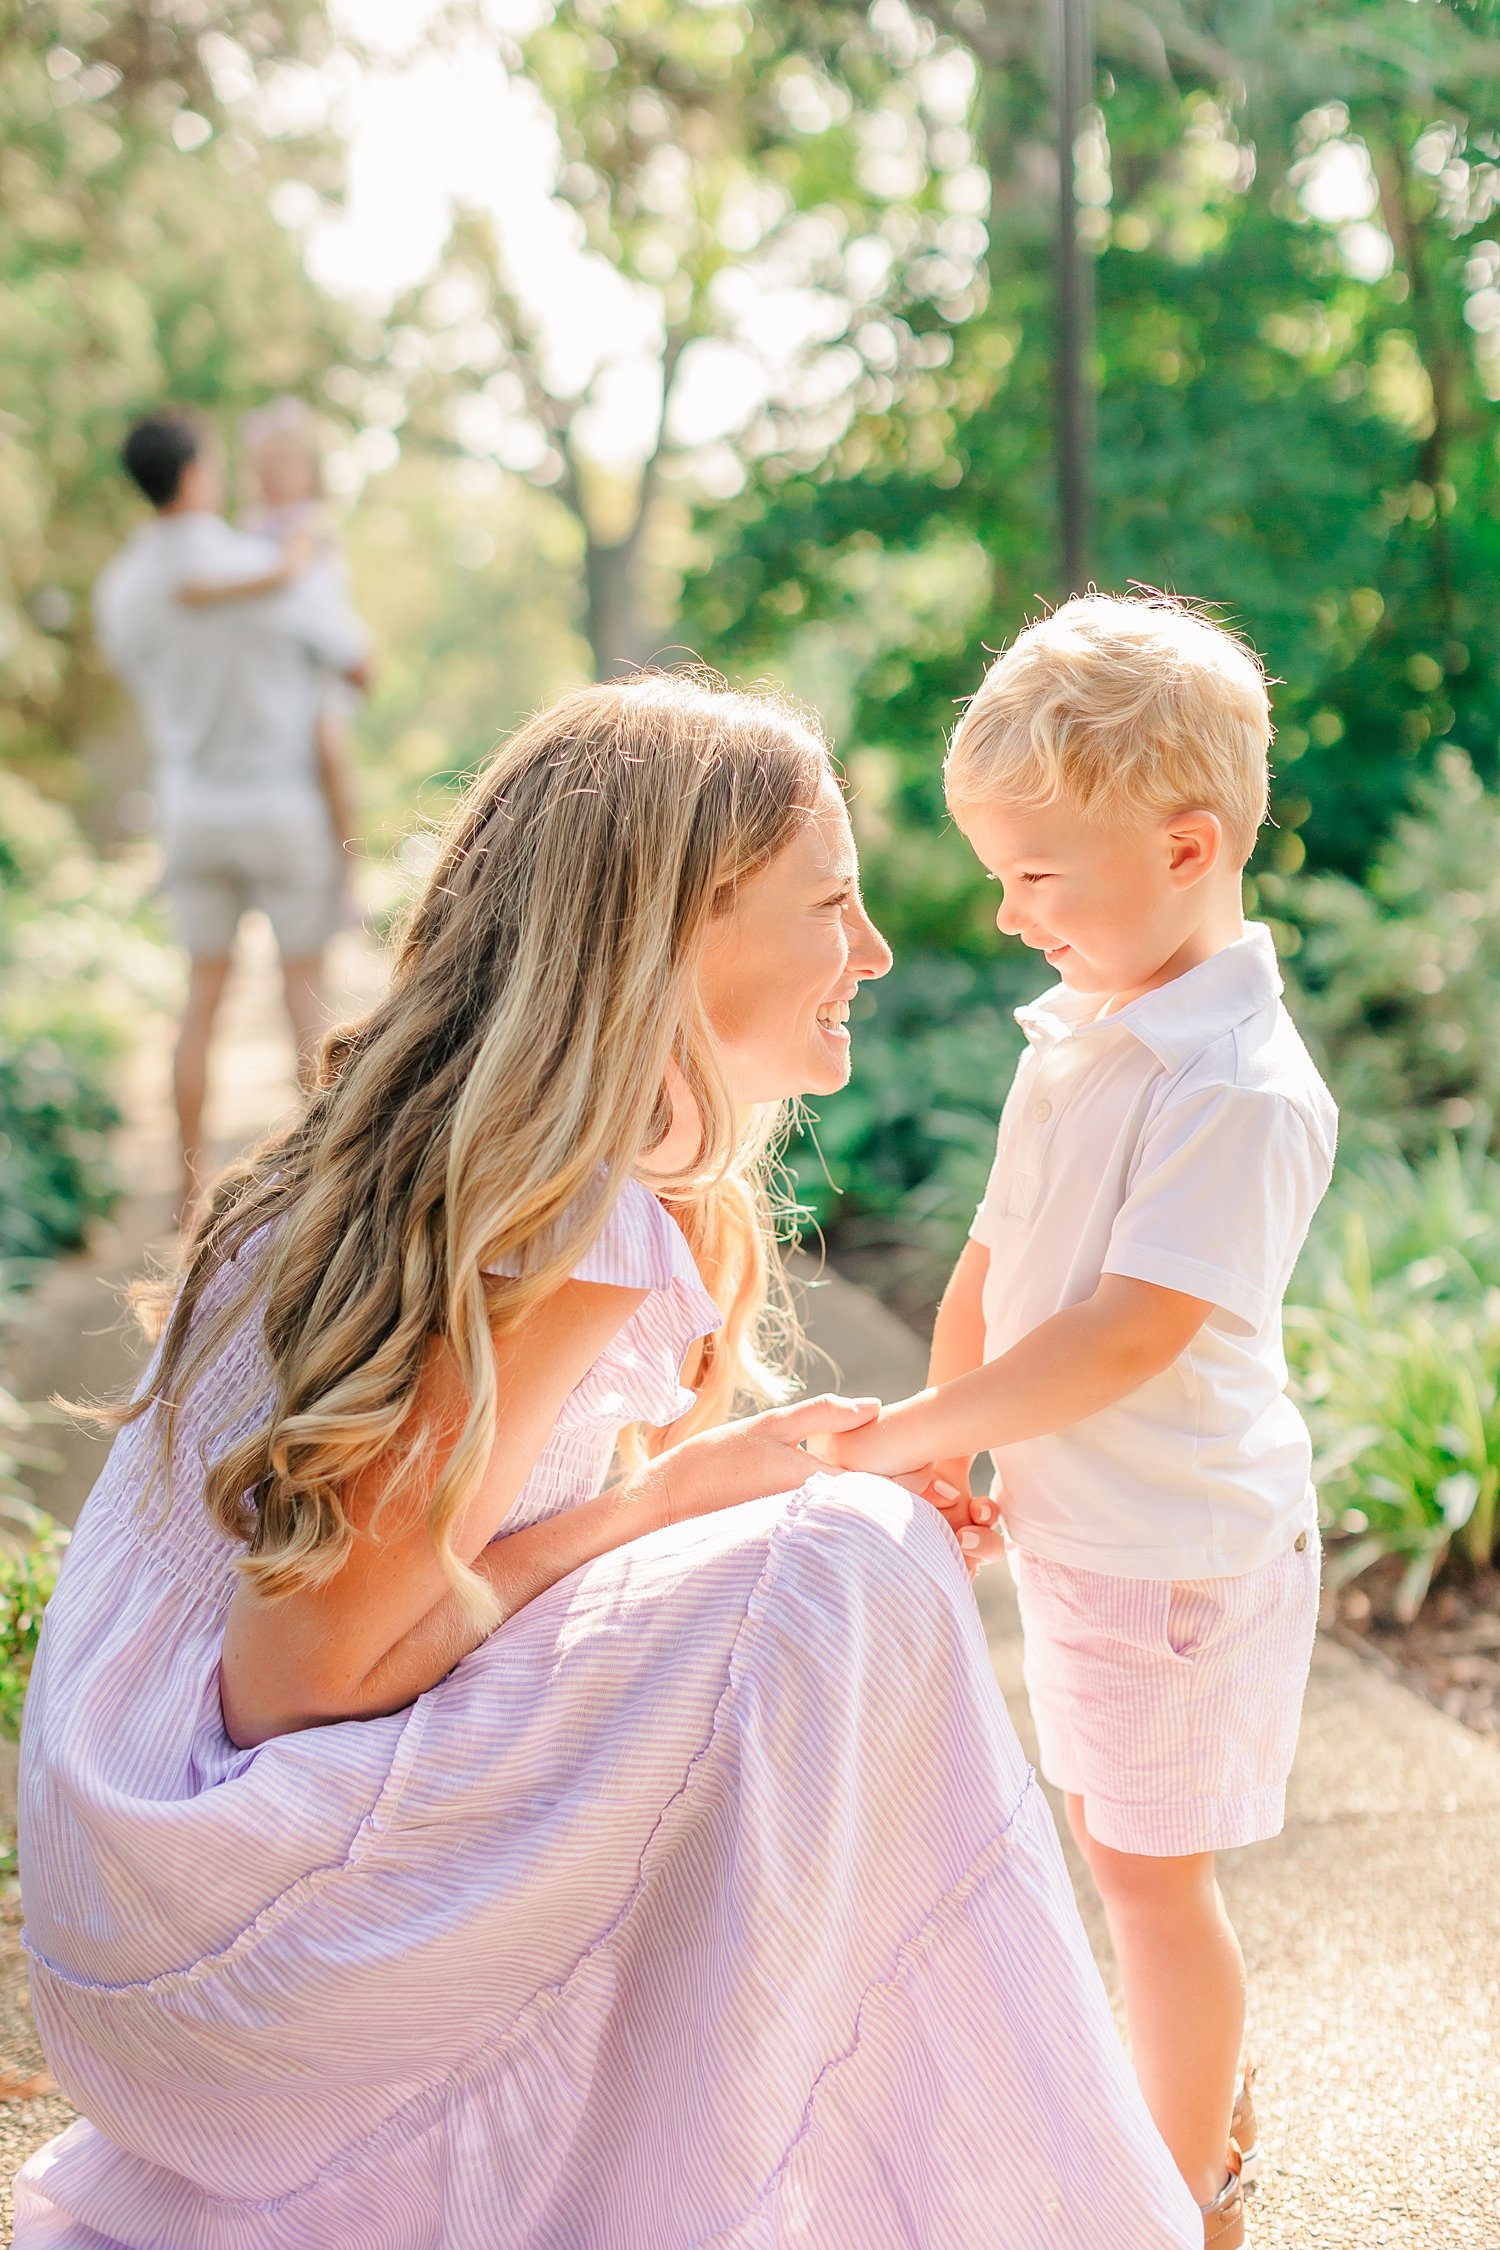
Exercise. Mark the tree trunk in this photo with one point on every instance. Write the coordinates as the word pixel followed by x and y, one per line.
pixel 616 632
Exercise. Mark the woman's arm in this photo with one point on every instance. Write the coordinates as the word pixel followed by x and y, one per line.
pixel 389 1625
pixel 957 1349
pixel 209 593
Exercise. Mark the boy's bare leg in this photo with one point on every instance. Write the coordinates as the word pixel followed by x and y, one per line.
pixel 1184 1979
pixel 307 1005
pixel 206 980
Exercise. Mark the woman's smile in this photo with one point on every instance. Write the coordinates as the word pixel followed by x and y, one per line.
pixel 833 1020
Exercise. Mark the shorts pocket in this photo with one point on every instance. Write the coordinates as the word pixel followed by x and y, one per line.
pixel 1192 1614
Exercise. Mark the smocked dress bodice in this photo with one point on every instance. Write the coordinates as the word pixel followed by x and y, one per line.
pixel 638 1375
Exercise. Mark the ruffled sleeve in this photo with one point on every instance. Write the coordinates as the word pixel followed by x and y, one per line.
pixel 638 1377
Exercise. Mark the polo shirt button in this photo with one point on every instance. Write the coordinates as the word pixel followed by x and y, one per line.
pixel 1042 1112
pixel 1300 1543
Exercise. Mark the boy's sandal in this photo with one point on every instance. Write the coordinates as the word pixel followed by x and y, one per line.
pixel 1245 2132
pixel 1224 2217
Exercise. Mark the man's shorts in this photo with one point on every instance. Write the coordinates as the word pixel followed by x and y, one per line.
pixel 1171 1707
pixel 217 869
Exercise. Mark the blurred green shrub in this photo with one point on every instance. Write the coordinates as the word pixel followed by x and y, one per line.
pixel 27 1577
pixel 1396 979
pixel 913 1134
pixel 77 970
pixel 32 1545
pixel 1393 1337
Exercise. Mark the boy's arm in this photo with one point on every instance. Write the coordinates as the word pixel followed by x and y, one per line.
pixel 958 1333
pixel 1077 1363
pixel 958 1346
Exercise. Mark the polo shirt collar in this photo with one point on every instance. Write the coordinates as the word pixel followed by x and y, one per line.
pixel 1177 1020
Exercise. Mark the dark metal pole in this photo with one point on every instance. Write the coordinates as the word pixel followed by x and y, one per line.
pixel 1073 34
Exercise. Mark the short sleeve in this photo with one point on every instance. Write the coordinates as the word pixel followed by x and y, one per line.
pixel 639 1378
pixel 1221 1195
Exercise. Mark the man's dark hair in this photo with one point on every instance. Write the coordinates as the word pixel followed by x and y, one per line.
pixel 157 451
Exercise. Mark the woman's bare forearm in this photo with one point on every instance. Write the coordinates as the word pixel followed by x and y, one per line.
pixel 518 1567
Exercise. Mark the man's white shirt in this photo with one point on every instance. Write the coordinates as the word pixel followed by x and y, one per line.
pixel 1185 1140
pixel 229 695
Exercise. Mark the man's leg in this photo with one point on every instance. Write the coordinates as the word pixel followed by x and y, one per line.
pixel 1184 1979
pixel 207 975
pixel 304 984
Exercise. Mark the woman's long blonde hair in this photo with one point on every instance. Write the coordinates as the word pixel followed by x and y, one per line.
pixel 492 1107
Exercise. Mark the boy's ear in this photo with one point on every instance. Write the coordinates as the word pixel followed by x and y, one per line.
pixel 1195 845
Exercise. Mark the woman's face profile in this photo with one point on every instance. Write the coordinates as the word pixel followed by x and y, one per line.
pixel 781 966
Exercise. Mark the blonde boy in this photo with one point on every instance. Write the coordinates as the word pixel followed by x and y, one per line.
pixel 1112 1333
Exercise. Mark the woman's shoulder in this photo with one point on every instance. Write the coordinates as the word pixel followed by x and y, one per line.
pixel 641 1246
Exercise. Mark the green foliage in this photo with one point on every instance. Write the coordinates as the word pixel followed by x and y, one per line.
pixel 76 970
pixel 913 1133
pixel 1393 1334
pixel 891 1169
pixel 712 159
pixel 28 1573
pixel 466 579
pixel 31 1551
pixel 1397 977
pixel 1283 429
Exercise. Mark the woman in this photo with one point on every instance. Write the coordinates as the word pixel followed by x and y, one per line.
pixel 431 1846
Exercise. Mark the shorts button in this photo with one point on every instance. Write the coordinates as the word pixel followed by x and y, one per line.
pixel 1300 1542
pixel 1042 1112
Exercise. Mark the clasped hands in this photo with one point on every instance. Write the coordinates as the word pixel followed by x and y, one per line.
pixel 974 1519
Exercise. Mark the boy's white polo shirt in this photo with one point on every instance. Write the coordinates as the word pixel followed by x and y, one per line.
pixel 1186 1140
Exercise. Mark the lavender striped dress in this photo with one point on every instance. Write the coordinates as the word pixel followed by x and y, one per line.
pixel 709 1902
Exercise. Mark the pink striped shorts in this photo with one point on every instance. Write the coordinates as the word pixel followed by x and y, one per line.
pixel 1170 1706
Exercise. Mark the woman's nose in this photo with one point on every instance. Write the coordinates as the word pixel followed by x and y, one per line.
pixel 869 955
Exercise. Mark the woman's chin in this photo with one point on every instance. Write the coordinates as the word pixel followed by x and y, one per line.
pixel 829 1071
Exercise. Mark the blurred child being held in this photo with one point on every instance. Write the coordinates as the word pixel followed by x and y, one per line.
pixel 283 474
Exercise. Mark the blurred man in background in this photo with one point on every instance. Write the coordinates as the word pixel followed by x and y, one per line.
pixel 230 694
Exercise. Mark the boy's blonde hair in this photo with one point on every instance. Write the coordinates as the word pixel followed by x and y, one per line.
pixel 1117 706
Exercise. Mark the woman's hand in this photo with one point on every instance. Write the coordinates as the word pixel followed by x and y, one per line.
pixel 747 1460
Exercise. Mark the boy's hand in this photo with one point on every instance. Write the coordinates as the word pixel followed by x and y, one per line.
pixel 973 1519
pixel 975 1523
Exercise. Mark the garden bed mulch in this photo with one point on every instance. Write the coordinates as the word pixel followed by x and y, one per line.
pixel 1450 1653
